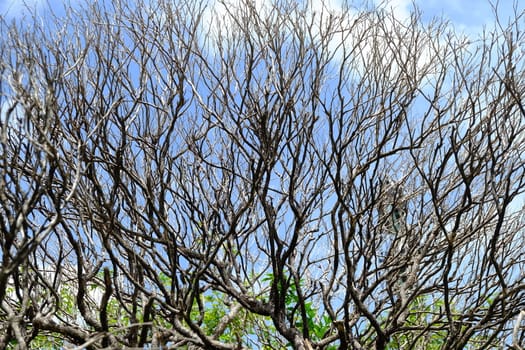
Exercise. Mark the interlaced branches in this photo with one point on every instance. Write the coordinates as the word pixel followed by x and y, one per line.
pixel 244 175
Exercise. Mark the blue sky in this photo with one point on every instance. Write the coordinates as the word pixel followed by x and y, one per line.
pixel 468 15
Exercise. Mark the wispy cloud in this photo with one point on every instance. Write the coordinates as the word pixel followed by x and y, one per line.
pixel 16 8
pixel 400 8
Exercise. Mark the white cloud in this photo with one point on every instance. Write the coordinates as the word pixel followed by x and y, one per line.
pixel 400 8
pixel 12 121
pixel 219 15
pixel 378 40
pixel 320 6
pixel 16 8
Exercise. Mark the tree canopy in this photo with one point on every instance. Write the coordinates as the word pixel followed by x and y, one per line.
pixel 260 175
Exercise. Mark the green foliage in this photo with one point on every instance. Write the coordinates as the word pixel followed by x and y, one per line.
pixel 421 312
pixel 67 304
pixel 318 324
pixel 47 342
pixel 247 328
pixel 244 327
pixel 317 321
pixel 419 317
pixel 215 309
